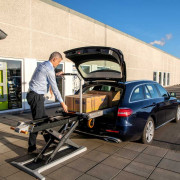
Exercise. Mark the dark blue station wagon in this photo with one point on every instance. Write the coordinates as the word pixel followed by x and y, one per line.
pixel 143 105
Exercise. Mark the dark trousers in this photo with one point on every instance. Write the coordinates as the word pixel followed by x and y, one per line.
pixel 36 102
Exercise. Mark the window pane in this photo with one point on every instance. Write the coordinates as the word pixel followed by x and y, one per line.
pixel 160 77
pixel 98 65
pixel 162 91
pixel 153 91
pixel 147 94
pixel 86 69
pixel 168 78
pixel 154 76
pixel 137 94
pixel 164 79
pixel 10 88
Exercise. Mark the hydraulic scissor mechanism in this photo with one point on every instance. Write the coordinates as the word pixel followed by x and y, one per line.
pixel 62 147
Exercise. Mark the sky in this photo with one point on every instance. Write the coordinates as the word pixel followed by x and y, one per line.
pixel 156 22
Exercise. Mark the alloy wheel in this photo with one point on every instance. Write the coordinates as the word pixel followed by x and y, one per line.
pixel 178 113
pixel 149 131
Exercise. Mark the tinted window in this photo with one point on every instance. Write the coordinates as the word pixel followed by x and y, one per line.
pixel 88 67
pixel 164 79
pixel 137 94
pixel 154 76
pixel 160 77
pixel 147 93
pixel 168 78
pixel 153 91
pixel 162 91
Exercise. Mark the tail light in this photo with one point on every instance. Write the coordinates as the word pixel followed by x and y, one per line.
pixel 126 112
pixel 112 131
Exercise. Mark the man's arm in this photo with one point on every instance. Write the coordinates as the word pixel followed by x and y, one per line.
pixel 52 80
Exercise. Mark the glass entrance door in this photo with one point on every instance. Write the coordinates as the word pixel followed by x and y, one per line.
pixel 10 84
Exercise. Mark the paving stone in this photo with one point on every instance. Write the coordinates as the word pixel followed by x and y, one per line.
pixel 3 135
pixel 20 175
pixel 116 161
pixel 65 173
pixel 3 159
pixel 103 172
pixel 82 164
pixel 173 155
pixel 71 159
pixel 170 165
pixel 161 174
pixel 120 145
pixel 48 178
pixel 148 159
pixel 7 170
pixel 155 151
pixel 128 176
pixel 91 144
pixel 87 177
pixel 10 139
pixel 2 178
pixel 49 171
pixel 126 153
pixel 109 149
pixel 4 149
pixel 78 141
pixel 136 147
pixel 25 158
pixel 16 153
pixel 11 155
pixel 139 169
pixel 2 142
pixel 22 143
pixel 96 156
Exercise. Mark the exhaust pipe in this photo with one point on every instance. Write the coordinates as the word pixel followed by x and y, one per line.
pixel 106 138
pixel 112 139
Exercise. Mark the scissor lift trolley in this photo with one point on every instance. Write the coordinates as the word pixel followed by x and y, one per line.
pixel 64 148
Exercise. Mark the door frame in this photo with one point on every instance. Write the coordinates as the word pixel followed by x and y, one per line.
pixel 22 85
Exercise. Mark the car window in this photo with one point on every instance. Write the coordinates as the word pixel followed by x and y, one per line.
pixel 106 88
pixel 153 91
pixel 138 94
pixel 147 93
pixel 162 91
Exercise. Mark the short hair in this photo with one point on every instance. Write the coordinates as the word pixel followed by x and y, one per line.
pixel 54 55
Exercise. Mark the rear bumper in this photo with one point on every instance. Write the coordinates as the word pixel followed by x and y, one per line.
pixel 121 128
pixel 123 133
pixel 126 133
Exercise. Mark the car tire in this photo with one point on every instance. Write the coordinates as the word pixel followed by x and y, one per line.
pixel 148 132
pixel 177 118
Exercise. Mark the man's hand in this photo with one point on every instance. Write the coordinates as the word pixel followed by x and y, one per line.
pixel 64 107
pixel 59 73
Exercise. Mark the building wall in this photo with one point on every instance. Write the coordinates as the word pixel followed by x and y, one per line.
pixel 36 28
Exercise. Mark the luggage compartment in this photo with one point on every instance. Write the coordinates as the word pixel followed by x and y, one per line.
pixel 103 100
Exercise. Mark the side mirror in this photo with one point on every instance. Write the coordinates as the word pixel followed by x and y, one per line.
pixel 172 94
pixel 166 97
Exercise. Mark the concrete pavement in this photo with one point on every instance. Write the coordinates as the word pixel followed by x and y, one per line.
pixel 102 160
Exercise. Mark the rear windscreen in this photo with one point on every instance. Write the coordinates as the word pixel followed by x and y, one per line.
pixel 98 66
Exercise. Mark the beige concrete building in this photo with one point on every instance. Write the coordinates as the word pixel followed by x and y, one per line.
pixel 35 28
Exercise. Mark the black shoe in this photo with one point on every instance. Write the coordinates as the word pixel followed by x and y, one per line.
pixel 31 149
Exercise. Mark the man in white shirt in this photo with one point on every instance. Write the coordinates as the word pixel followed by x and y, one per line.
pixel 43 77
